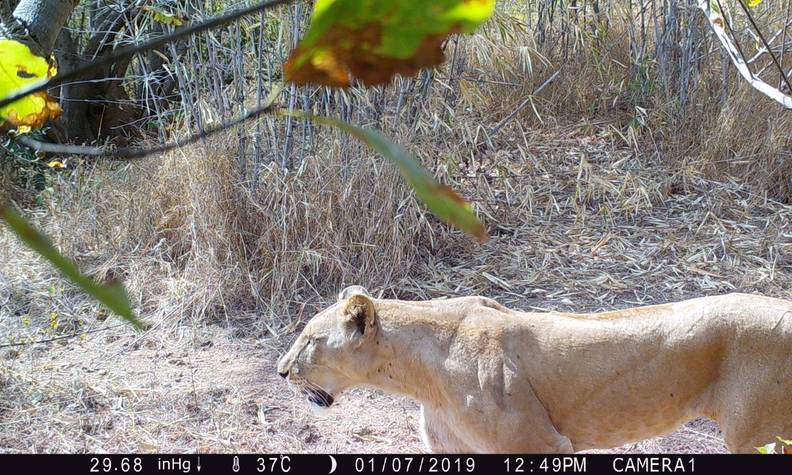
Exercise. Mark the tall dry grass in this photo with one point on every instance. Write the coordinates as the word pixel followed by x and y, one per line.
pixel 194 241
pixel 675 96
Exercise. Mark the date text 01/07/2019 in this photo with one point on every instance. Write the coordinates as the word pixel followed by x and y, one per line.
pixel 418 464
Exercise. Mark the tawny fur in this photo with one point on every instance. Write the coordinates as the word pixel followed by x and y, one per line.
pixel 490 379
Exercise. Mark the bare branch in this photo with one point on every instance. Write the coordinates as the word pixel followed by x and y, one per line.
pixel 765 43
pixel 35 23
pixel 62 337
pixel 145 46
pixel 717 22
pixel 129 153
pixel 524 104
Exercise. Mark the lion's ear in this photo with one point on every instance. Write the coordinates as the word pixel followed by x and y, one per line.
pixel 359 309
pixel 353 290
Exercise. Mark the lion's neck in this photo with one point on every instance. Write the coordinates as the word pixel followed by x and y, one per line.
pixel 410 348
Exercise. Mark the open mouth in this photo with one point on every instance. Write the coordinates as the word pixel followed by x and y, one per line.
pixel 319 397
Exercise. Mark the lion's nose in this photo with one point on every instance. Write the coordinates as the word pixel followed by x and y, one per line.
pixel 283 374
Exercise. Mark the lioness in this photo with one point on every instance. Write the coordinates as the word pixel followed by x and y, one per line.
pixel 490 379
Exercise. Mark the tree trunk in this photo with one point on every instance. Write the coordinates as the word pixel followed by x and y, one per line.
pixel 96 107
pixel 93 110
pixel 36 23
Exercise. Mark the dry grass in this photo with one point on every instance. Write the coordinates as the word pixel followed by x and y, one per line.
pixel 207 391
pixel 599 196
pixel 196 243
pixel 722 129
pixel 573 213
pixel 577 222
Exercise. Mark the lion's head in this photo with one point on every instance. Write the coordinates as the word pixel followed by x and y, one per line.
pixel 336 348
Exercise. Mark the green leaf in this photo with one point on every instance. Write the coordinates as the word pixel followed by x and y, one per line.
pixel 20 68
pixel 767 449
pixel 113 296
pixel 373 40
pixel 785 441
pixel 161 16
pixel 441 200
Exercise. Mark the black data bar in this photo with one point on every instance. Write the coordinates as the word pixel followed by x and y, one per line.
pixel 249 464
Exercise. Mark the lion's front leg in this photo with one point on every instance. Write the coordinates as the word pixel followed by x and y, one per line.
pixel 438 436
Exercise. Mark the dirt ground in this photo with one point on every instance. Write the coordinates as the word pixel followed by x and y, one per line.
pixel 205 391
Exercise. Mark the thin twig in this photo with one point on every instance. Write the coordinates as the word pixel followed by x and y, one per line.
pixel 63 337
pixel 765 43
pixel 716 21
pixel 783 41
pixel 129 153
pixel 145 46
pixel 524 104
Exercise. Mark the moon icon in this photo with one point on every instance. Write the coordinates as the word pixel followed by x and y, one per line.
pixel 333 464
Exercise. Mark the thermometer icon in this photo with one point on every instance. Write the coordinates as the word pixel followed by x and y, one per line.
pixel 235 466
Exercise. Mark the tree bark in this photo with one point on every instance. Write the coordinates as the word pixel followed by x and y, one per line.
pixel 96 107
pixel 92 109
pixel 36 23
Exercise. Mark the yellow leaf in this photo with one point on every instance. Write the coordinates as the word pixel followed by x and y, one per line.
pixel 161 16
pixel 20 68
pixel 767 449
pixel 56 165
pixel 23 129
pixel 753 3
